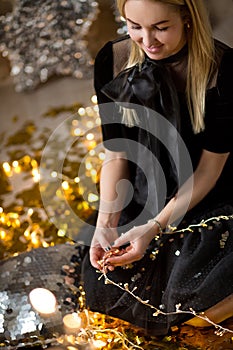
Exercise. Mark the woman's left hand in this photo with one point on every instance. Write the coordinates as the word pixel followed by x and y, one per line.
pixel 139 238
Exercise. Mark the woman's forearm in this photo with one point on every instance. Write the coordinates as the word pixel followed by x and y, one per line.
pixel 113 188
pixel 195 188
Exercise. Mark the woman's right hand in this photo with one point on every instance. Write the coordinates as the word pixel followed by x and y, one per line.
pixel 103 238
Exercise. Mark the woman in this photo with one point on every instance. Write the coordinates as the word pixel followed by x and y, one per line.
pixel 170 84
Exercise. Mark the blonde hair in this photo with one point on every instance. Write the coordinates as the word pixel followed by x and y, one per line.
pixel 200 56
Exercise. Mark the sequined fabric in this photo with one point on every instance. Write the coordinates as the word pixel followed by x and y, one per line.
pixel 46 38
pixel 56 269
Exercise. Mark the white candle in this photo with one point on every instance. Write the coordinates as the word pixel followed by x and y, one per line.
pixel 72 322
pixel 43 300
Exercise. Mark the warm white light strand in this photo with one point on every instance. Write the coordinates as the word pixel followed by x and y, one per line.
pixel 220 330
pixel 203 223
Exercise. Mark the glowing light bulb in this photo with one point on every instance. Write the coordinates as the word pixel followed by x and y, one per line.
pixel 92 197
pixel 90 137
pixel 99 344
pixel 65 185
pixel 88 166
pixel 77 132
pixel 94 99
pixel 43 300
pixel 7 168
pixel 93 172
pixel 30 212
pixel 61 233
pixel 92 152
pixel 2 234
pixel 81 111
pixel 36 175
pixel 27 233
pixel 101 155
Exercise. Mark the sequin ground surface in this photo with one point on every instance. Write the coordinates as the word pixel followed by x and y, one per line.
pixel 46 38
pixel 56 269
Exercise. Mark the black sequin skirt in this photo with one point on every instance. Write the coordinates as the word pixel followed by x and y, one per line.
pixel 192 269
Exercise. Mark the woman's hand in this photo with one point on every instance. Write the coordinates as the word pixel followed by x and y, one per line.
pixel 103 238
pixel 138 238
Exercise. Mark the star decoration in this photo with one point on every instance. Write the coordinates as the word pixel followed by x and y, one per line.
pixel 46 38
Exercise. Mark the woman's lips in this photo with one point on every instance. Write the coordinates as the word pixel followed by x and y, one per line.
pixel 154 49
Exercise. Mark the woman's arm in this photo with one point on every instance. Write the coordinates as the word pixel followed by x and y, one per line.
pixel 203 180
pixel 113 189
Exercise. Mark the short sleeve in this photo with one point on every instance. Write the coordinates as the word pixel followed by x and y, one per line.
pixel 112 129
pixel 218 134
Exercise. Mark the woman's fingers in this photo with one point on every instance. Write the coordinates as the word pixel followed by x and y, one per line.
pixel 105 236
pixel 130 255
pixel 132 235
pixel 96 255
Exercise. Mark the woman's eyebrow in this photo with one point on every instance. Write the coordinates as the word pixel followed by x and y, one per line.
pixel 154 24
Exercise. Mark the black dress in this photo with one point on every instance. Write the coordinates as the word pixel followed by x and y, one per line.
pixel 192 268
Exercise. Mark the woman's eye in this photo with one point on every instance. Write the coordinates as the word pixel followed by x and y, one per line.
pixel 162 29
pixel 135 27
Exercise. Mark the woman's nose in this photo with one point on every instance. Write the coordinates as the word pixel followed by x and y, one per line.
pixel 148 38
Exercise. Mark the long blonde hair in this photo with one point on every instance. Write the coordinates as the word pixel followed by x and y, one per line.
pixel 200 54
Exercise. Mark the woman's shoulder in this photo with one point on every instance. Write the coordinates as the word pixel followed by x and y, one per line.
pixel 122 43
pixel 114 53
pixel 110 60
pixel 222 52
pixel 225 68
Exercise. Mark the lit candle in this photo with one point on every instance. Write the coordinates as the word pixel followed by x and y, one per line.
pixel 43 300
pixel 72 322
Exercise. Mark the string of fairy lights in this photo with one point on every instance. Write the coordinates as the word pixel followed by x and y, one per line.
pixel 219 329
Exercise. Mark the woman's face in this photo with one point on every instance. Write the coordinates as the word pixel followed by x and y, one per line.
pixel 157 28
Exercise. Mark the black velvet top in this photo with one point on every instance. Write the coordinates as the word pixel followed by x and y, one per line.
pixel 217 136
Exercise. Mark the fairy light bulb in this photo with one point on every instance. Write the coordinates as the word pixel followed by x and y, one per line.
pixel 30 212
pixel 94 99
pixel 90 136
pixel 77 132
pixel 65 185
pixel 36 175
pixel 81 111
pixel 43 300
pixel 7 168
pixel 98 344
